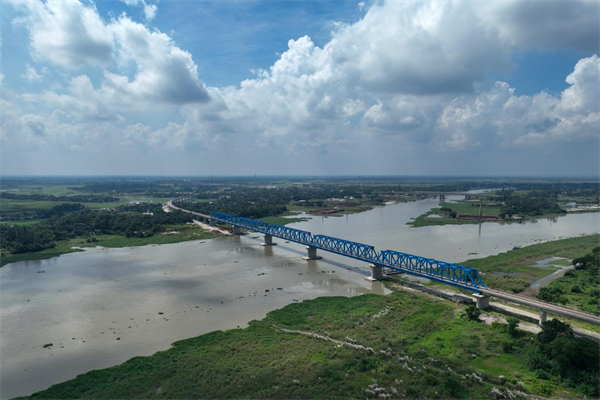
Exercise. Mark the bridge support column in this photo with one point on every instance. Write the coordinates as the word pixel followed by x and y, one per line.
pixel 268 241
pixel 376 273
pixel 442 198
pixel 312 253
pixel 212 222
pixel 543 317
pixel 235 230
pixel 481 301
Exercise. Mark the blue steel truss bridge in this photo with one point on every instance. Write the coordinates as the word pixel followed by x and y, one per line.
pixel 451 274
pixel 390 260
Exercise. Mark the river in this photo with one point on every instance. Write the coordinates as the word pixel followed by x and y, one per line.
pixel 101 307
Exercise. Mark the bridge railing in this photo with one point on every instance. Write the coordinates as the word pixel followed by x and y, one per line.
pixel 345 247
pixel 435 269
pixel 294 235
pixel 453 274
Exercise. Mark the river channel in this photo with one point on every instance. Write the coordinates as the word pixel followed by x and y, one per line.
pixel 101 307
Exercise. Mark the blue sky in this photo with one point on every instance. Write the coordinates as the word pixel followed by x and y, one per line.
pixel 300 87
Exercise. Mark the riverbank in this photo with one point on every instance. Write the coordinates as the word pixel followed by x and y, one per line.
pixel 173 234
pixel 466 212
pixel 401 345
pixel 517 269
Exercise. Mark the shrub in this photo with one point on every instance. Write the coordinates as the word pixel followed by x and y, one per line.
pixel 472 313
pixel 553 328
pixel 507 347
pixel 576 289
pixel 513 323
pixel 552 295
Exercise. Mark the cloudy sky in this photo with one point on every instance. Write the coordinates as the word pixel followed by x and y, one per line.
pixel 300 87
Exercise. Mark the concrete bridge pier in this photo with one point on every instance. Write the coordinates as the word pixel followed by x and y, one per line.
pixel 212 222
pixel 442 198
pixel 376 273
pixel 312 253
pixel 235 230
pixel 481 301
pixel 268 241
pixel 543 317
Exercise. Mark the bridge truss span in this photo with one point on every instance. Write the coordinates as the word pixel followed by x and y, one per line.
pixel 448 273
pixel 454 274
pixel 345 247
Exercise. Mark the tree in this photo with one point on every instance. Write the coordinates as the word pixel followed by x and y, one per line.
pixel 552 329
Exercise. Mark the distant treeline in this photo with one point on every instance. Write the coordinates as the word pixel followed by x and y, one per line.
pixel 534 203
pixel 88 223
pixel 78 198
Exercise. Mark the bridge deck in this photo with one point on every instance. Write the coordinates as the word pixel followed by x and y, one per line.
pixel 447 273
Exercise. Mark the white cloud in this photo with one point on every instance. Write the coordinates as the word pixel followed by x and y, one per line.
pixel 71 34
pixel 165 73
pixel 150 10
pixel 31 75
pixel 411 70
pixel 545 25
pixel 501 118
pixel 67 33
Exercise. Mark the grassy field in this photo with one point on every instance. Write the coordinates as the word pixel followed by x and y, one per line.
pixel 346 209
pixel 27 207
pixel 22 222
pixel 11 207
pixel 520 263
pixel 443 218
pixel 283 220
pixel 183 233
pixel 404 345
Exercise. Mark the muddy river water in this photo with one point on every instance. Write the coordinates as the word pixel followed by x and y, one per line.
pixel 103 306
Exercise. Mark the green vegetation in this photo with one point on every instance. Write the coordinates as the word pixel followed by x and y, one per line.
pixel 520 264
pixel 579 287
pixel 283 220
pixel 510 205
pixel 404 345
pixel 534 203
pixel 172 234
pixel 449 214
pixel 561 354
pixel 133 225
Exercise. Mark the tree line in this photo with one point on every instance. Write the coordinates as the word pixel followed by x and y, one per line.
pixel 77 198
pixel 87 223
pixel 532 204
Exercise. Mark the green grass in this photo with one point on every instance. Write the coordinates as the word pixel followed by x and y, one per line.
pixel 472 208
pixel 28 207
pixel 62 247
pixel 564 263
pixel 283 220
pixel 346 209
pixel 423 220
pixel 185 233
pixel 585 297
pixel 521 262
pixel 17 208
pixel 459 208
pixel 421 348
pixel 22 222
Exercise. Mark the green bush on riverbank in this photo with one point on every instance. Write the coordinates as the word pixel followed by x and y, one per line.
pixel 579 287
pixel 520 263
pixel 404 345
